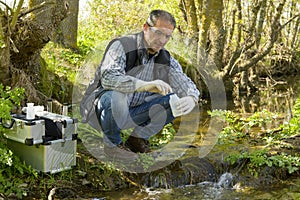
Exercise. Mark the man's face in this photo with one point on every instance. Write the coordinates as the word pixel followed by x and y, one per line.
pixel 157 36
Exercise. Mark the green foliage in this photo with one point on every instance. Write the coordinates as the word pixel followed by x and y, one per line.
pixel 13 172
pixel 145 160
pixel 8 99
pixel 233 130
pixel 5 157
pixel 164 136
pixel 293 126
pixel 59 67
pixel 61 61
pixel 158 140
pixel 241 127
pixel 260 158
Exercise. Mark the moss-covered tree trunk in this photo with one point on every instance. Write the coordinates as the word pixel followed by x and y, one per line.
pixel 217 33
pixel 66 35
pixel 33 30
pixel 4 51
pixel 190 13
pixel 204 26
pixel 212 33
pixel 253 31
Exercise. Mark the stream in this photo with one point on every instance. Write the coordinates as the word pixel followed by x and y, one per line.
pixel 288 190
pixel 272 99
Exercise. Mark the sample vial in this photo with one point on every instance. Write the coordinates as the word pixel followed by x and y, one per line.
pixel 30 114
pixel 173 103
pixel 49 105
pixel 65 109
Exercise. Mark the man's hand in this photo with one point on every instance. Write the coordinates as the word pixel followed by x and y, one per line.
pixel 186 104
pixel 157 86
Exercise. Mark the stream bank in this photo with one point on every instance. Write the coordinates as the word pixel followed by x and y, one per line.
pixel 190 177
pixel 92 179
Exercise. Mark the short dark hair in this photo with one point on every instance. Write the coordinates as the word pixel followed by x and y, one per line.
pixel 160 14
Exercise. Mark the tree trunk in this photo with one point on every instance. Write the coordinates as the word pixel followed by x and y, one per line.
pixel 29 36
pixel 254 30
pixel 4 51
pixel 66 35
pixel 295 30
pixel 262 16
pixel 191 17
pixel 240 18
pixel 205 25
pixel 212 34
pixel 217 33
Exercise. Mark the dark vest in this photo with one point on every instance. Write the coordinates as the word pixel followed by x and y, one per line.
pixel 129 43
pixel 161 61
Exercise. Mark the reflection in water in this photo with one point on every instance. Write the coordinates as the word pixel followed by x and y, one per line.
pixel 278 98
pixel 266 99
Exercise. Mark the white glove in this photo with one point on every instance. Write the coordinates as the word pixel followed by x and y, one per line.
pixel 186 104
pixel 156 86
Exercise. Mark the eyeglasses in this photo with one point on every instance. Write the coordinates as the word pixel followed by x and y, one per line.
pixel 159 33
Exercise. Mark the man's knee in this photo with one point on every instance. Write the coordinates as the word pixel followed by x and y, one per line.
pixel 105 100
pixel 114 105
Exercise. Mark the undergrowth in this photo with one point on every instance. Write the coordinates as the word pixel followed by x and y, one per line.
pixel 15 175
pixel 266 141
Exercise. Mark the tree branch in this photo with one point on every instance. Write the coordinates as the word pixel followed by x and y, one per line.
pixel 36 8
pixel 231 67
pixel 7 7
pixel 258 57
pixel 275 29
pixel 15 15
pixel 295 33
pixel 290 20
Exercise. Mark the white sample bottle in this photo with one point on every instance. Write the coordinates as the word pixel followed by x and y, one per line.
pixel 49 105
pixel 30 113
pixel 65 109
pixel 173 103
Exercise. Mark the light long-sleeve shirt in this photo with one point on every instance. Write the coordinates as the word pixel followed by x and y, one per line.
pixel 114 76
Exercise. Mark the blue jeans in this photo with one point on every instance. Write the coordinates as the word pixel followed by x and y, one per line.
pixel 147 119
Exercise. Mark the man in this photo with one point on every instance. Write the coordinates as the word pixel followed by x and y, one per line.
pixel 133 85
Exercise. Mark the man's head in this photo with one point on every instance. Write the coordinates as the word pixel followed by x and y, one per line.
pixel 158 29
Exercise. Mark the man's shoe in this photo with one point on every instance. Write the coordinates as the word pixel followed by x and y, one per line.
pixel 138 145
pixel 119 152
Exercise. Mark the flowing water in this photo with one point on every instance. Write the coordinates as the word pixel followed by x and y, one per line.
pixel 220 190
pixel 224 187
